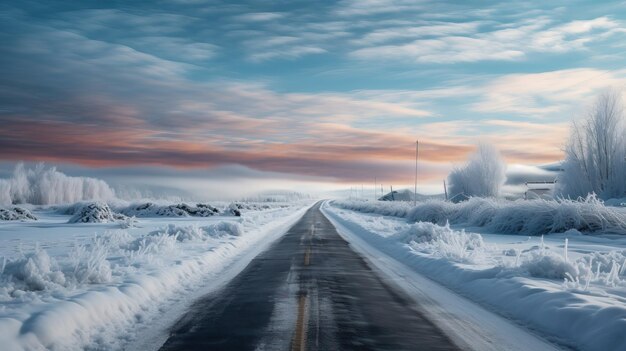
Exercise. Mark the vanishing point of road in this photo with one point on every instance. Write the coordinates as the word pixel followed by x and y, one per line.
pixel 309 291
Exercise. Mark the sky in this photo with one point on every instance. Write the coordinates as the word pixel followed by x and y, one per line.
pixel 241 96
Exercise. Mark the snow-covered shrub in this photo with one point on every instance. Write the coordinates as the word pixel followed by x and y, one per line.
pixel 33 271
pixel 97 212
pixel 150 209
pixel 181 233
pixel 89 264
pixel 16 214
pixel 432 211
pixel 195 233
pixel 44 186
pixel 595 154
pixel 442 241
pixel 483 175
pixel 148 248
pixel 234 210
pixel 224 228
pixel 128 222
pixel 528 217
pixel 549 265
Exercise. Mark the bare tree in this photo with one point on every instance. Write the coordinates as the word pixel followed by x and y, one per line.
pixel 483 175
pixel 594 155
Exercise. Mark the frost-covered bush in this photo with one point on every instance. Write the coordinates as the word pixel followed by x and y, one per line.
pixel 150 209
pixel 442 241
pixel 45 186
pixel 128 222
pixel 528 217
pixel 33 271
pixel 224 228
pixel 550 265
pixel 195 233
pixel 483 175
pixel 432 211
pixel 97 212
pixel 89 264
pixel 595 154
pixel 16 214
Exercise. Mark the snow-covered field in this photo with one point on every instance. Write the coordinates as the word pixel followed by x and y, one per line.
pixel 567 286
pixel 65 284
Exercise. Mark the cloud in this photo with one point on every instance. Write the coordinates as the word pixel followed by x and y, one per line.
pixel 350 8
pixel 416 30
pixel 450 44
pixel 555 93
pixel 259 16
pixel 289 52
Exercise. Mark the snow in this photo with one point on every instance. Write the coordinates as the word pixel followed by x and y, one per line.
pixel 94 285
pixel 527 217
pixel 570 288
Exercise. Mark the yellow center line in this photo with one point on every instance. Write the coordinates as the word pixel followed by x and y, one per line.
pixel 299 339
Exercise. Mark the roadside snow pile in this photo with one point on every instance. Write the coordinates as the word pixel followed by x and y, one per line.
pixel 150 209
pixel 236 209
pixel 577 296
pixel 194 232
pixel 16 214
pixel 45 186
pixel 97 212
pixel 528 217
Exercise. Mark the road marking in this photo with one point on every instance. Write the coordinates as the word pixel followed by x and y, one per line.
pixel 299 339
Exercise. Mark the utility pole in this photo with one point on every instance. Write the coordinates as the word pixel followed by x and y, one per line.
pixel 417 149
pixel 445 189
pixel 375 192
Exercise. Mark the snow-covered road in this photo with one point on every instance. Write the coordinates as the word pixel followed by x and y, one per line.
pixel 98 286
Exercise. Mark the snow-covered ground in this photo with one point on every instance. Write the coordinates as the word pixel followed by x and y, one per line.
pixel 567 286
pixel 79 285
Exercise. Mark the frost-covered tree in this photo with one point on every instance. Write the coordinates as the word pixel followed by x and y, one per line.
pixel 483 175
pixel 594 155
pixel 44 186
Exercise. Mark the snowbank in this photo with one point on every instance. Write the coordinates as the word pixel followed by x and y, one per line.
pixel 576 301
pixel 16 214
pixel 193 232
pixel 44 186
pixel 528 217
pixel 151 209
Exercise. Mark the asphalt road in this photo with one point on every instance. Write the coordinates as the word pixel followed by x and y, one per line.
pixel 309 291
